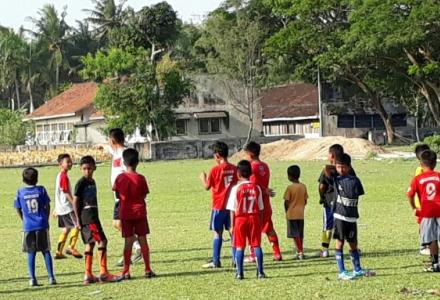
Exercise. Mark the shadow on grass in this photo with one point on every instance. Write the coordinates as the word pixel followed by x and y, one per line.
pixel 39 278
pixel 43 287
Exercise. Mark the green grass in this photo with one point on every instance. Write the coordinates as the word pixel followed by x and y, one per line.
pixel 180 241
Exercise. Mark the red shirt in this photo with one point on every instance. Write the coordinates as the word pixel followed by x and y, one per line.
pixel 132 189
pixel 427 187
pixel 245 199
pixel 261 176
pixel 221 178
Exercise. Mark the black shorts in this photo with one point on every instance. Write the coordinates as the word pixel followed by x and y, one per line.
pixel 67 221
pixel 92 233
pixel 295 228
pixel 34 241
pixel 116 211
pixel 345 231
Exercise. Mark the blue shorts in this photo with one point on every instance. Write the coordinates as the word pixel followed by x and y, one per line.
pixel 220 220
pixel 328 221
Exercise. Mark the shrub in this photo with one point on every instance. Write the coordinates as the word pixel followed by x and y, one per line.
pixel 433 142
pixel 12 129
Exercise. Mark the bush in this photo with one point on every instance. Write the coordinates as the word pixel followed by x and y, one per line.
pixel 12 129
pixel 433 142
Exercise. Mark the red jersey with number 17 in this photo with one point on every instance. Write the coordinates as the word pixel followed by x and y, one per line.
pixel 261 177
pixel 245 199
pixel 427 187
pixel 221 179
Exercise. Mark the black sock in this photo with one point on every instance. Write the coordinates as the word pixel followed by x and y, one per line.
pixel 434 259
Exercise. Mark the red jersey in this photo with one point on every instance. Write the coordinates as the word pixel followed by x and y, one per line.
pixel 427 187
pixel 261 176
pixel 245 199
pixel 221 178
pixel 132 189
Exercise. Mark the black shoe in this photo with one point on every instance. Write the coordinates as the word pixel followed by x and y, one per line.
pixel 434 268
pixel 239 276
pixel 261 275
pixel 33 282
pixel 52 281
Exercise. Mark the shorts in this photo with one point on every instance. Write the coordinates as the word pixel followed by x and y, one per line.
pixel 345 231
pixel 137 227
pixel 267 225
pixel 249 228
pixel 92 233
pixel 328 221
pixel 430 230
pixel 34 241
pixel 67 221
pixel 116 211
pixel 295 229
pixel 220 220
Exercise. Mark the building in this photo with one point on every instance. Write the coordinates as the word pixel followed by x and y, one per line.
pixel 69 117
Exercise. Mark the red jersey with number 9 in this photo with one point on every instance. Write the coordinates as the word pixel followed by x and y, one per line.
pixel 245 199
pixel 221 179
pixel 427 187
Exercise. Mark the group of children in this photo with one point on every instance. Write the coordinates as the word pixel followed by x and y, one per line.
pixel 77 212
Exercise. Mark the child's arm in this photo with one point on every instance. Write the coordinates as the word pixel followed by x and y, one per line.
pixel 232 221
pixel 76 210
pixel 412 192
pixel 286 200
pixel 20 213
pixel 70 197
pixel 204 178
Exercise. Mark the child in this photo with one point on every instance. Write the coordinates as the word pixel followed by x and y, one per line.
pixel 132 189
pixel 347 190
pixel 261 176
pixel 64 210
pixel 87 218
pixel 295 200
pixel 427 187
pixel 424 249
pixel 220 180
pixel 247 210
pixel 32 205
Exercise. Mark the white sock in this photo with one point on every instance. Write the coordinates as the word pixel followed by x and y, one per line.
pixel 136 245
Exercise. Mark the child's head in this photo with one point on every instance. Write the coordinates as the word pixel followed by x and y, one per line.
pixel 30 176
pixel 116 137
pixel 244 169
pixel 88 166
pixel 428 159
pixel 421 148
pixel 65 161
pixel 221 151
pixel 293 173
pixel 252 150
pixel 334 151
pixel 131 158
pixel 343 164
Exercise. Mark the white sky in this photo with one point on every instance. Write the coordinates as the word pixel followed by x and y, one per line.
pixel 13 13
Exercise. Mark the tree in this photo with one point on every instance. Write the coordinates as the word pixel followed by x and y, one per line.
pixel 12 129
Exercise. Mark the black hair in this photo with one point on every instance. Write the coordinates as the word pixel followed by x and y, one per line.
pixel 420 148
pixel 117 134
pixel 30 176
pixel 294 172
pixel 221 149
pixel 254 148
pixel 244 169
pixel 343 159
pixel 336 149
pixel 429 158
pixel 131 157
pixel 62 157
pixel 87 160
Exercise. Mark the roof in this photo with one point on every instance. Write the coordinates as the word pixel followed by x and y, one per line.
pixel 293 101
pixel 68 103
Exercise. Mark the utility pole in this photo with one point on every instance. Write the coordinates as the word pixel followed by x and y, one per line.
pixel 321 125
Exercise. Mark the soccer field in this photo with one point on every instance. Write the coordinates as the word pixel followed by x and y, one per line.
pixel 179 210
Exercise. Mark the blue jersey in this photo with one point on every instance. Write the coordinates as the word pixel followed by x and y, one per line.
pixel 33 202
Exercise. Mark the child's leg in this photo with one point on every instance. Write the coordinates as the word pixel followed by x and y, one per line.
pixel 298 244
pixel 145 252
pixel 239 260
pixel 102 256
pixel 62 239
pixel 217 246
pixel 127 254
pixel 31 265
pixel 74 233
pixel 259 256
pixel 49 264
pixel 327 228
pixel 355 257
pixel 89 260
pixel 117 225
pixel 339 254
pixel 433 247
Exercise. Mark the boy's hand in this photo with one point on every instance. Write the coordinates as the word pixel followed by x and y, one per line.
pixel 202 176
pixel 417 212
pixel 78 224
pixel 54 214
pixel 271 193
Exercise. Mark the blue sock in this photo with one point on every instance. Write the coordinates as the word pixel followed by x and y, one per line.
pixel 239 260
pixel 216 248
pixel 49 264
pixel 339 254
pixel 233 251
pixel 355 260
pixel 31 264
pixel 259 255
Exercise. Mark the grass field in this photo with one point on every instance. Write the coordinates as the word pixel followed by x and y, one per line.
pixel 180 241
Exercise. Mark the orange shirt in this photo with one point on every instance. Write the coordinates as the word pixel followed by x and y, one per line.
pixel 296 200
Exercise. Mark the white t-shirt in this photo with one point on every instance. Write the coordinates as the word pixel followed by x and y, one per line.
pixel 62 186
pixel 118 166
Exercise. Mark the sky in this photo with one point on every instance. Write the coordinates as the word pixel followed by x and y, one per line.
pixel 14 13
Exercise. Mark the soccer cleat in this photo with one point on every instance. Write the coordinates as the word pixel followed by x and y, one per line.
pixel 33 282
pixel 346 276
pixel 52 281
pixel 212 265
pixel 136 257
pixel 425 251
pixel 149 274
pixel 433 268
pixel 300 256
pixel 75 253
pixel 59 255
pixel 109 278
pixel 123 276
pixel 120 262
pixel 277 258
pixel 239 276
pixel 364 273
pixel 90 279
pixel 261 275
pixel 323 253
pixel 250 260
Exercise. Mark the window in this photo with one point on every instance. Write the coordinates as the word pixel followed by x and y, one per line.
pixel 46 127
pixel 399 120
pixel 62 126
pixel 363 121
pixel 209 126
pixel 54 127
pixel 181 127
pixel 377 122
pixel 345 121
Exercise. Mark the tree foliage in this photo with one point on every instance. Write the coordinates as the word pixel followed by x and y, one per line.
pixel 13 130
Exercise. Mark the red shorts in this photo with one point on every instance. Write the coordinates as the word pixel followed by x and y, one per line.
pixel 267 225
pixel 137 227
pixel 247 227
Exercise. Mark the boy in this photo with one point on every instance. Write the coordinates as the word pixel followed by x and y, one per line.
pixel 427 187
pixel 295 200
pixel 424 249
pixel 87 218
pixel 246 205
pixel 64 209
pixel 132 189
pixel 220 180
pixel 347 190
pixel 32 205
pixel 261 176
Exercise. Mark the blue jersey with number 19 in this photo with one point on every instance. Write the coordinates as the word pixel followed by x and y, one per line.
pixel 33 201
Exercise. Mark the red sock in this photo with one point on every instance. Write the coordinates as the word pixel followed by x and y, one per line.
pixel 273 239
pixel 127 261
pixel 299 244
pixel 146 255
